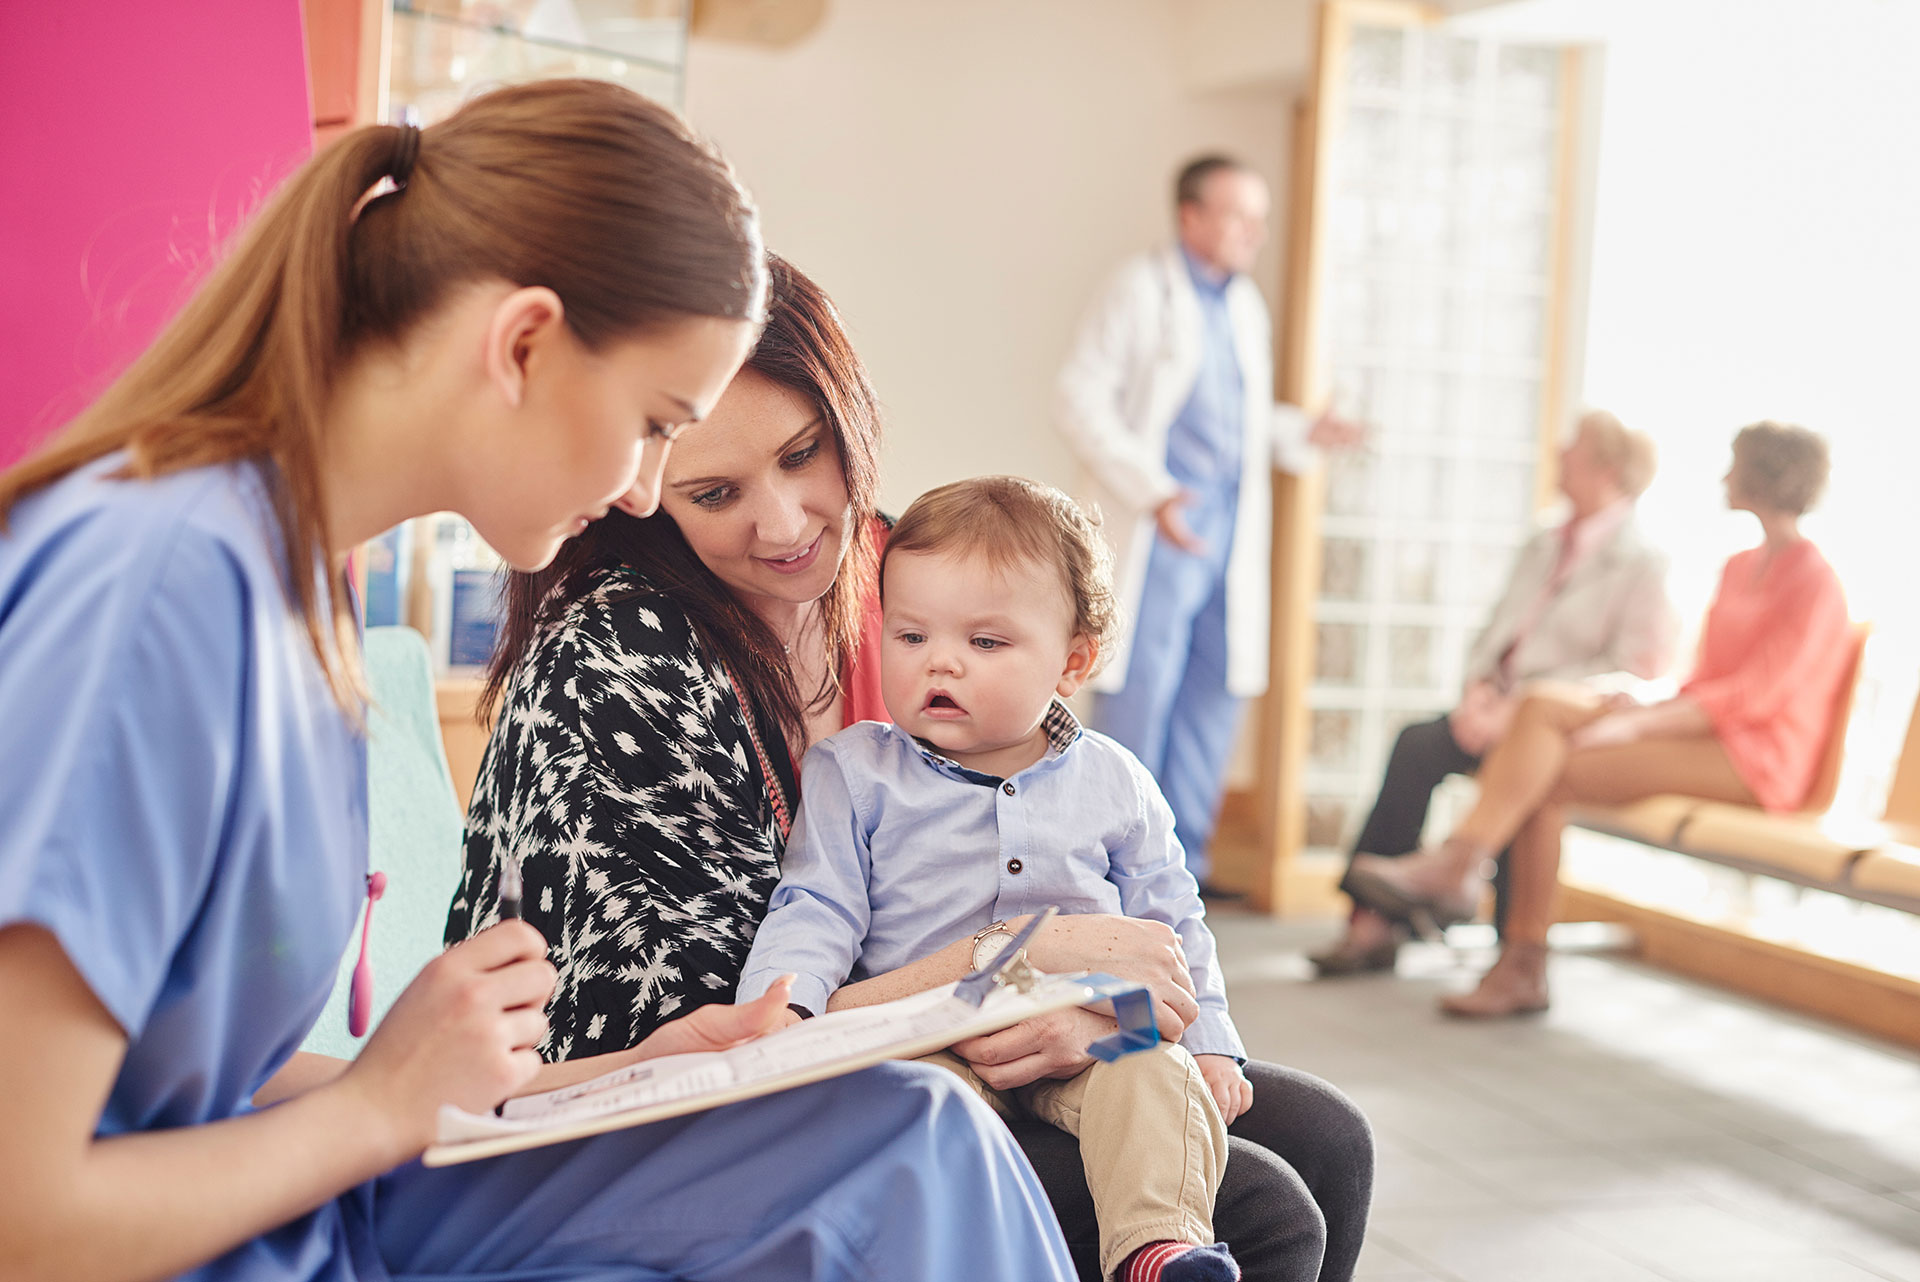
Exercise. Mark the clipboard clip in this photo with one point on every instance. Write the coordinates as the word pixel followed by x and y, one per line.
pixel 1132 1004
pixel 1009 967
pixel 1133 1008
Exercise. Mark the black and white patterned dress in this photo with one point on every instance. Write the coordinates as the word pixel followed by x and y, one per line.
pixel 621 772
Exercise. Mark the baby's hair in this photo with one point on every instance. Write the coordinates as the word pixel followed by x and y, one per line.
pixel 1011 520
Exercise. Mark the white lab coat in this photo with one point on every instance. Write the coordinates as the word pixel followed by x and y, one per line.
pixel 1131 371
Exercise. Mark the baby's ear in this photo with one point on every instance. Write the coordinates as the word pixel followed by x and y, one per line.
pixel 1082 655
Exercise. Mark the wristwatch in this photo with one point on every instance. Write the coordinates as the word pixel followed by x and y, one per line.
pixel 989 944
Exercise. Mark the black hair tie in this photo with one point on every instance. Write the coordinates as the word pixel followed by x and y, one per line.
pixel 405 155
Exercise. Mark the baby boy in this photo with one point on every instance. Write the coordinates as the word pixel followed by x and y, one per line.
pixel 986 800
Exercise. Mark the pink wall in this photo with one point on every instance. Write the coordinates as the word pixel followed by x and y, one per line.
pixel 134 136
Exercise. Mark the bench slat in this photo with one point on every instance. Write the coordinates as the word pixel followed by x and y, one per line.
pixel 1891 872
pixel 1809 847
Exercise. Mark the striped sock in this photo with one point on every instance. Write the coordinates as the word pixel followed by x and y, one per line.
pixel 1180 1262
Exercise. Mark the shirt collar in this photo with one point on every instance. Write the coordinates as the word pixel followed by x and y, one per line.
pixel 1062 729
pixel 1204 278
pixel 1584 535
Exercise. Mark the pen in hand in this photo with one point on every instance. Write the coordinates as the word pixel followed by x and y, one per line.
pixel 511 889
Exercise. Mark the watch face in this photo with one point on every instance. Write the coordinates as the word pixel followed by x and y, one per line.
pixel 991 947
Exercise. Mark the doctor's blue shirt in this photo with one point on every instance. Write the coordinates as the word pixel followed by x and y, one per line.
pixel 898 851
pixel 1205 442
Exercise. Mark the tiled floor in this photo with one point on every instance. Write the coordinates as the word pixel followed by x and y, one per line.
pixel 1646 1128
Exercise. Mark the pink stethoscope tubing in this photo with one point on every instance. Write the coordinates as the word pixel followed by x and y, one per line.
pixel 360 994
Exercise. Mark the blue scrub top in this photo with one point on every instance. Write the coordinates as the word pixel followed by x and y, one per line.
pixel 185 803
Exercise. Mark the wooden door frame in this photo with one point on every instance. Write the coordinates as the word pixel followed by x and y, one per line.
pixel 1269 866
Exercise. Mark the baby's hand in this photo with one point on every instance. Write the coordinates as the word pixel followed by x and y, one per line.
pixel 1230 1087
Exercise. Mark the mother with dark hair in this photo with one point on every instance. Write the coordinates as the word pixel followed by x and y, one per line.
pixel 657 684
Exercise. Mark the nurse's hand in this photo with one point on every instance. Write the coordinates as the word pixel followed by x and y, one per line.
pixel 463 1032
pixel 1130 948
pixel 1050 1045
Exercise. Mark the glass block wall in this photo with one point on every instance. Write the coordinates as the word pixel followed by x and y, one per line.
pixel 1440 247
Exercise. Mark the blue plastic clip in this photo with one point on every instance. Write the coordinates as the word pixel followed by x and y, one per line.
pixel 1133 1007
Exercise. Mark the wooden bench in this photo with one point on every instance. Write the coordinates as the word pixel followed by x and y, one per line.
pixel 1872 860
pixel 1817 847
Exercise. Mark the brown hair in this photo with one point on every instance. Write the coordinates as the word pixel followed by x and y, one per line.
pixel 1631 456
pixel 1190 188
pixel 1011 520
pixel 803 347
pixel 578 185
pixel 1780 465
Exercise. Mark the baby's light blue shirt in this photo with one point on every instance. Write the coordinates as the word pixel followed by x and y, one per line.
pixel 898 851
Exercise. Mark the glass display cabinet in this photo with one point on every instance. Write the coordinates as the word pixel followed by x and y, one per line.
pixel 438 575
pixel 443 51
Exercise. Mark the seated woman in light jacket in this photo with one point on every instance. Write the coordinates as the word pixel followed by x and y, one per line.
pixel 1748 727
pixel 1587 602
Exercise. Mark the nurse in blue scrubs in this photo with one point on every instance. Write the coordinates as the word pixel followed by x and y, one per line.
pixel 509 316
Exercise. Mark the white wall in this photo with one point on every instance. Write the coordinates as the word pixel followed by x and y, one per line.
pixel 1755 257
pixel 960 175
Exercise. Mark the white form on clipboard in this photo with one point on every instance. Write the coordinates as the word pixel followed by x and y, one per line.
pixel 839 1042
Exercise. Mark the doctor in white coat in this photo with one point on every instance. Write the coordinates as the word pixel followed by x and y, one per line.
pixel 1167 399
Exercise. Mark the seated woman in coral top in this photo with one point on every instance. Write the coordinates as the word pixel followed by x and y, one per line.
pixel 1748 726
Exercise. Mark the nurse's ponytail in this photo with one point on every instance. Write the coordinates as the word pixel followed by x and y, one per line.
pixel 578 185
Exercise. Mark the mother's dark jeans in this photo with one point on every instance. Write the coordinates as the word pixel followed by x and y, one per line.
pixel 1294 1202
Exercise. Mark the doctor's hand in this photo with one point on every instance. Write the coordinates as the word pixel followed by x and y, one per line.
pixel 1331 432
pixel 1173 525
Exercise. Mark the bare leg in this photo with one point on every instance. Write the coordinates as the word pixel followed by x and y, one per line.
pixel 1525 768
pixel 1533 875
pixel 1517 983
pixel 1535 766
pixel 1443 885
pixel 1697 767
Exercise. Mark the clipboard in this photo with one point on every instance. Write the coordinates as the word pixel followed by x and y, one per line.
pixel 1002 994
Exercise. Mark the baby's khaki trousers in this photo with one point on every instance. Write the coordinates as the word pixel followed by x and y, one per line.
pixel 1150 1135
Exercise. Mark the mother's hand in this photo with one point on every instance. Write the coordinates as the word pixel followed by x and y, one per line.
pixel 1143 952
pixel 1050 1045
pixel 717 1027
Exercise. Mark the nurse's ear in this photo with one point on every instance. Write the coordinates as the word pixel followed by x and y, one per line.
pixel 521 333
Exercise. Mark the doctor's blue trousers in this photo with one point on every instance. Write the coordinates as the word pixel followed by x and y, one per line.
pixel 1175 712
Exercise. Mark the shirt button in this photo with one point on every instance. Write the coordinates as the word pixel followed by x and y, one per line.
pixel 1007 788
pixel 1014 866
